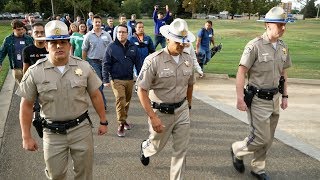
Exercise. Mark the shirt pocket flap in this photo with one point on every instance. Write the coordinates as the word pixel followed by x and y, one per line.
pixel 187 72
pixel 164 74
pixel 47 87
pixel 78 83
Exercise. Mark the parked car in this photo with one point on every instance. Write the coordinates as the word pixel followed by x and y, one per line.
pixel 15 16
pixel 1 16
pixel 6 15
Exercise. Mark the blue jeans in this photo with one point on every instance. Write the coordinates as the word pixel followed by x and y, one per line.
pixel 159 39
pixel 98 68
pixel 207 55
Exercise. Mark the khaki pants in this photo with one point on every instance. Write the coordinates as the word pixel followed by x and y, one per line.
pixel 177 125
pixel 17 74
pixel 122 90
pixel 79 142
pixel 263 117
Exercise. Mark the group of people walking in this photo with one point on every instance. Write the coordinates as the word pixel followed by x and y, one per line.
pixel 57 77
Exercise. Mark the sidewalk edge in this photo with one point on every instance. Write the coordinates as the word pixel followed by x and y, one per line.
pixel 5 96
pixel 282 136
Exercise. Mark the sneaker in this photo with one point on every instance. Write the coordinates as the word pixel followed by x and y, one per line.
pixel 144 160
pixel 121 132
pixel 127 126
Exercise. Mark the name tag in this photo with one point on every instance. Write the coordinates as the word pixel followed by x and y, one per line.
pixel 104 38
pixel 210 35
pixel 136 43
pixel 19 57
pixel 22 42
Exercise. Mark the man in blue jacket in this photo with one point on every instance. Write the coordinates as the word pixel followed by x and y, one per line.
pixel 117 71
pixel 143 42
pixel 13 46
pixel 159 21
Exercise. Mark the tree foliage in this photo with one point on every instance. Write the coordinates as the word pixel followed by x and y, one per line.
pixel 14 6
pixel 310 10
pixel 182 8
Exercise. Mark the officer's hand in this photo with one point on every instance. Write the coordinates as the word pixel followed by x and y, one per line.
pixel 102 130
pixel 106 84
pixel 157 124
pixel 241 105
pixel 29 144
pixel 284 103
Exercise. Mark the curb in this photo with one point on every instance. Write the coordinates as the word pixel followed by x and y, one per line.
pixel 5 96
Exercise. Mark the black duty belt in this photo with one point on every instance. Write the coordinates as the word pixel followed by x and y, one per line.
pixel 61 127
pixel 266 94
pixel 98 61
pixel 167 108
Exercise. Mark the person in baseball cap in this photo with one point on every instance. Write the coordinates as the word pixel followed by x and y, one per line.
pixel 61 83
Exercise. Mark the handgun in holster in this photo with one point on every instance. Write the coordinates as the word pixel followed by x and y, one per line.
pixel 37 122
pixel 281 84
pixel 248 96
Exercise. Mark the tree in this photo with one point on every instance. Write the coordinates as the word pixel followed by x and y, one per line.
pixel 131 7
pixel 309 10
pixel 14 6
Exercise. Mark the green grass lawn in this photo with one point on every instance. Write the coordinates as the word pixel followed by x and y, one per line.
pixel 5 30
pixel 302 37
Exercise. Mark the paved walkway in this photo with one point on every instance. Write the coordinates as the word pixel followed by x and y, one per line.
pixel 212 133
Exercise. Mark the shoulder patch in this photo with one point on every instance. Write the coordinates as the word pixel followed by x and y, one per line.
pixel 26 75
pixel 248 49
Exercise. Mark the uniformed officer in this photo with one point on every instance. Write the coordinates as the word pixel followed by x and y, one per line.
pixel 165 87
pixel 62 83
pixel 264 60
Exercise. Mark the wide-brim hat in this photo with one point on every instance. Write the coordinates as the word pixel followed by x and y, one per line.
pixel 55 30
pixel 275 15
pixel 178 31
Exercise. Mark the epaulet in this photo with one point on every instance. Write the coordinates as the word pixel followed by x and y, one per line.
pixel 256 40
pixel 76 58
pixel 39 61
pixel 151 56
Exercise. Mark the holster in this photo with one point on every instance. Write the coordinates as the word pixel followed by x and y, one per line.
pixel 248 96
pixel 167 109
pixel 38 123
pixel 281 84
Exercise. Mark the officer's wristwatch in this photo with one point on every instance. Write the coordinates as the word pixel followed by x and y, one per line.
pixel 285 96
pixel 104 123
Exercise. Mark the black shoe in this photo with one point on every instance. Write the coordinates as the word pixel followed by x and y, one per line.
pixel 144 160
pixel 237 163
pixel 262 176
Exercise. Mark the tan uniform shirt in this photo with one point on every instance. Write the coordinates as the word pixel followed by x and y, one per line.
pixel 62 96
pixel 265 63
pixel 166 79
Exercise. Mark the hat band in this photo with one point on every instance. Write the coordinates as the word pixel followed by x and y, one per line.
pixel 180 37
pixel 58 37
pixel 275 19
